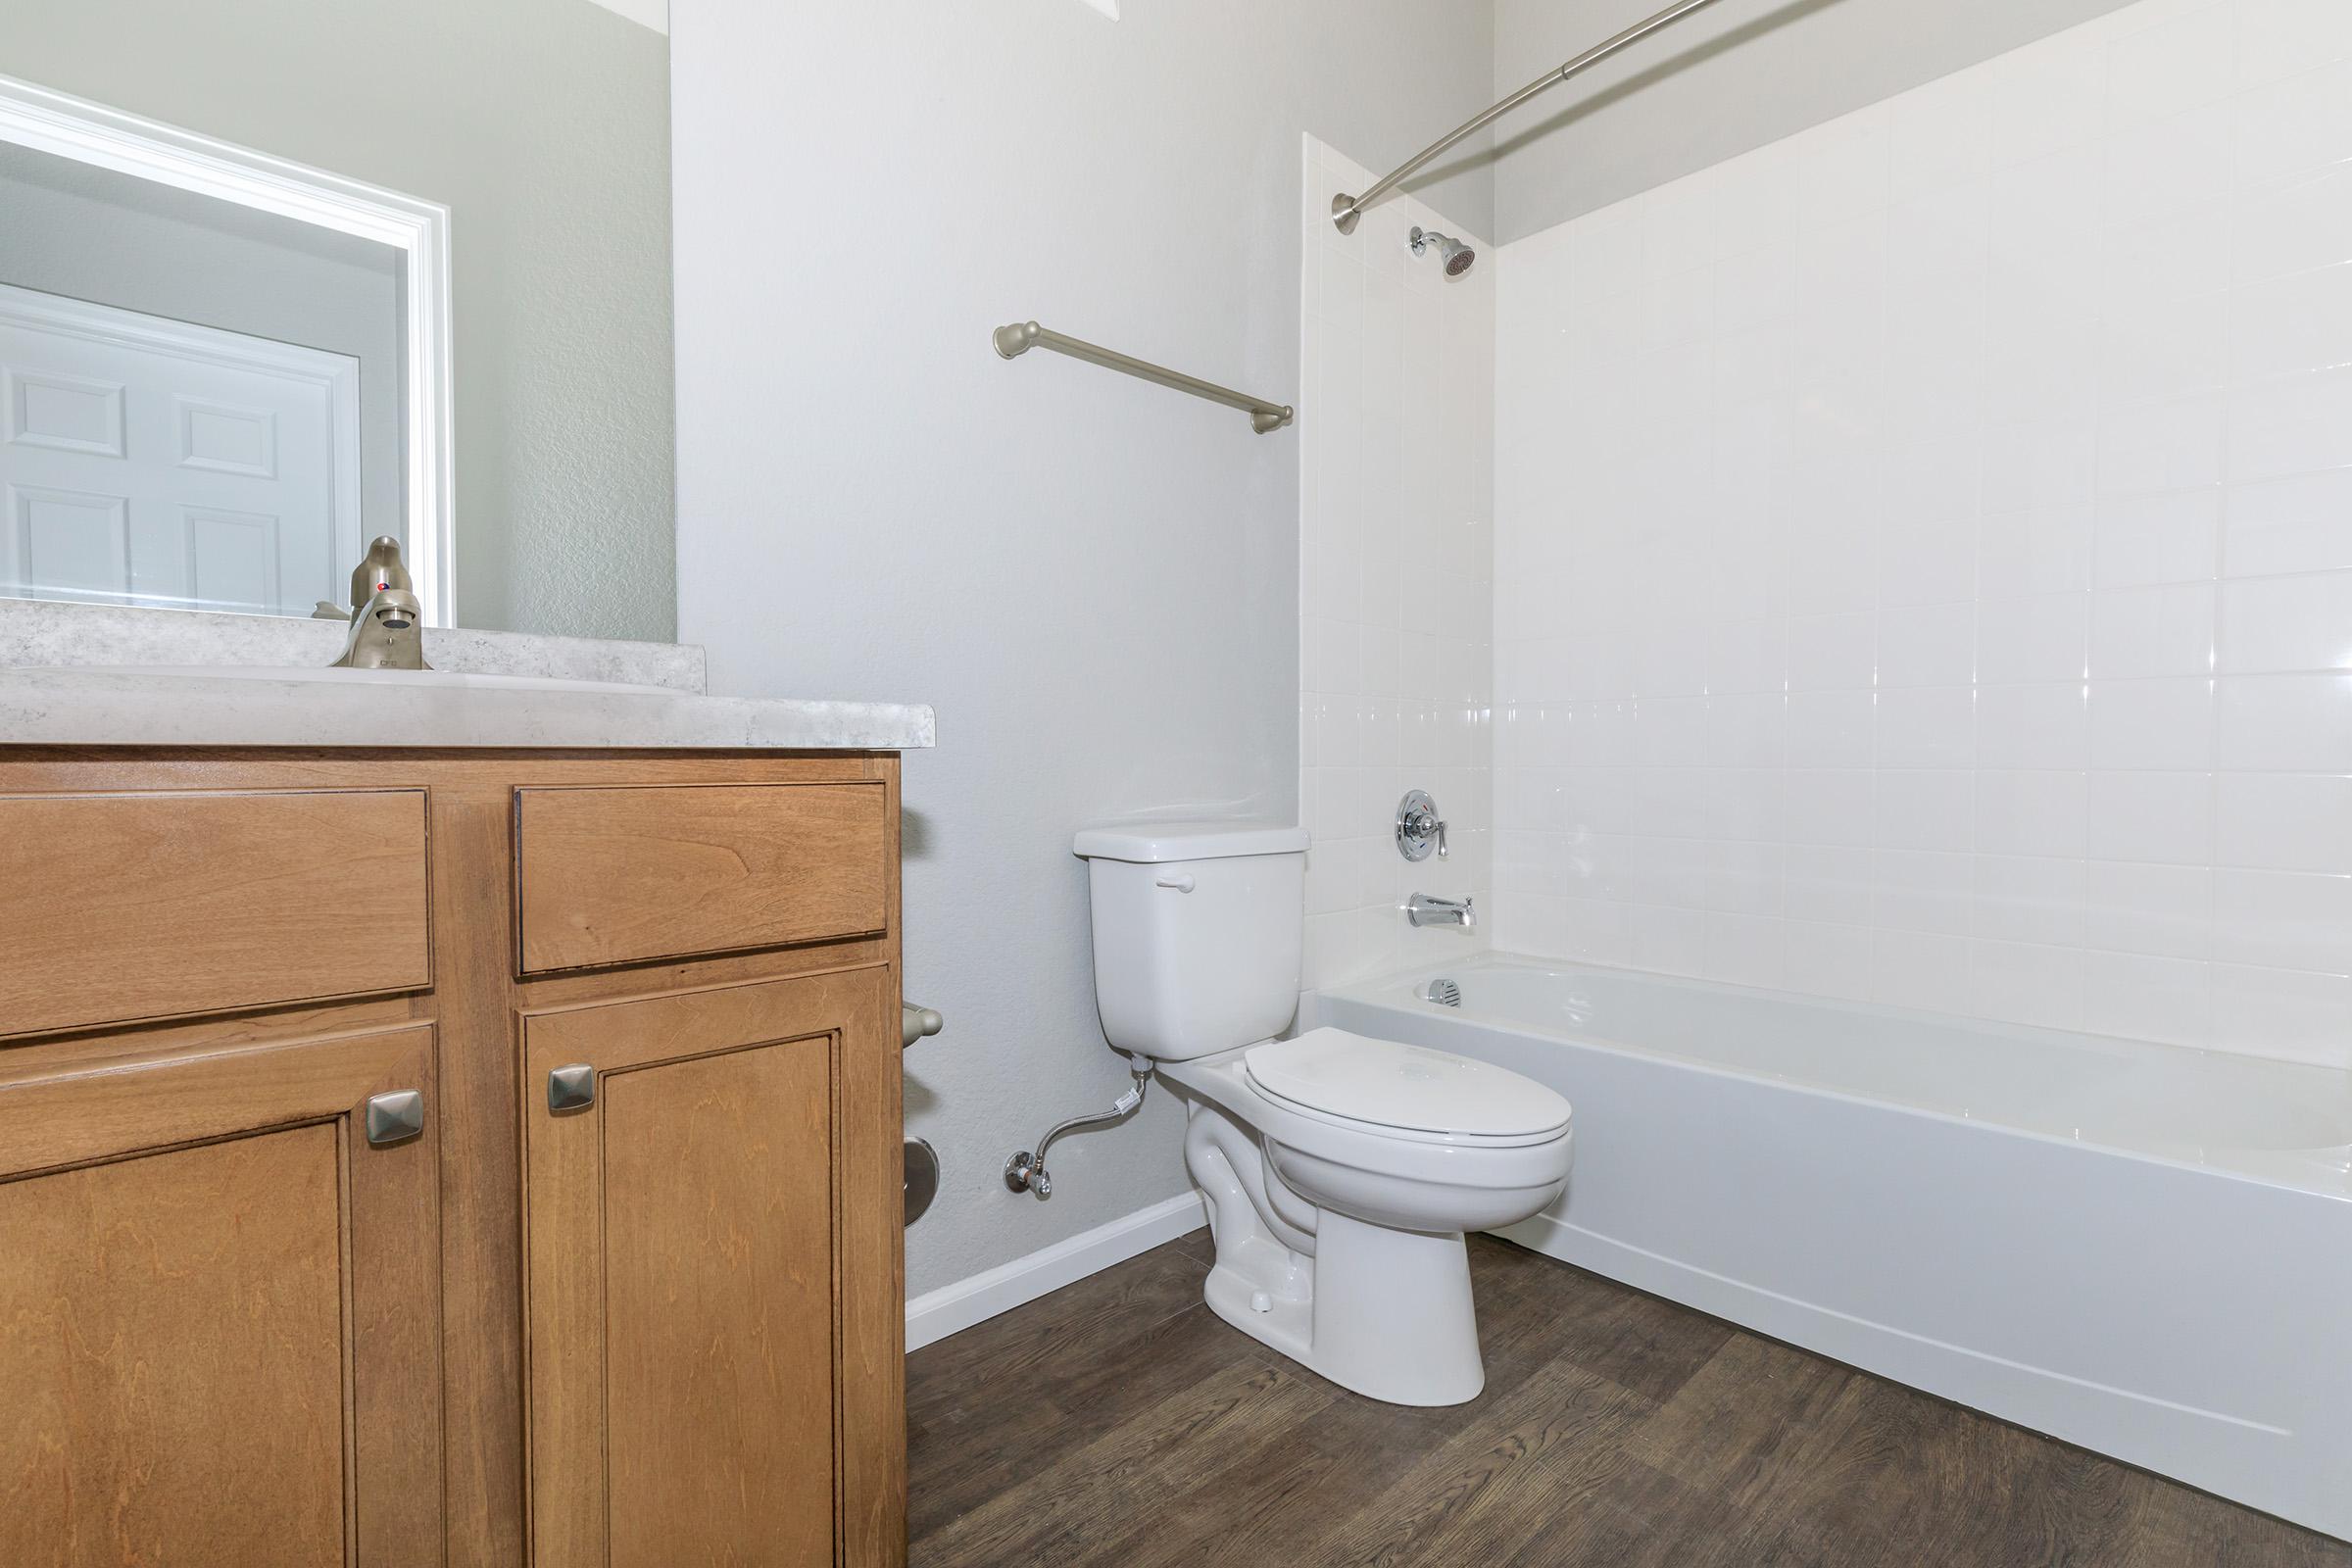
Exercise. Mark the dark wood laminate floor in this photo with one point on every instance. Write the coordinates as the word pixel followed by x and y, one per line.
pixel 1119 1422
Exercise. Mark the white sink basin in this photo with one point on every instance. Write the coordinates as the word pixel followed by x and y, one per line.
pixel 438 679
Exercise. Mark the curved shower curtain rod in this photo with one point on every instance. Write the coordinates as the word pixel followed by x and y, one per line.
pixel 1346 209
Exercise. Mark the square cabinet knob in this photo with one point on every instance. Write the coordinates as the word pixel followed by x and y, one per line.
pixel 571 1088
pixel 395 1118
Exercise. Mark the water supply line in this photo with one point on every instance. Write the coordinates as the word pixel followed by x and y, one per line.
pixel 1025 1172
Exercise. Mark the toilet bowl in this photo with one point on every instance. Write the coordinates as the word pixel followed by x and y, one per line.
pixel 1339 1239
pixel 1341 1171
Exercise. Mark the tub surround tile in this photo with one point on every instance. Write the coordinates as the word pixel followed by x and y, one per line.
pixel 1831 884
pixel 2283 1012
pixel 2166 723
pixel 2292 723
pixel 2025 984
pixel 2032 726
pixel 1919 969
pixel 2282 920
pixel 2289 525
pixel 2144 541
pixel 1828 961
pixel 1961 557
pixel 2161 912
pixel 1923 891
pixel 2025 899
pixel 2165 630
pixel 2140 998
pixel 2165 818
pixel 2284 821
pixel 1397 669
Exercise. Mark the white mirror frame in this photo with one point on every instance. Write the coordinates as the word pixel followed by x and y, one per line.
pixel 91 133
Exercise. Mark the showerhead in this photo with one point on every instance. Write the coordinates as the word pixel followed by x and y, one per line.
pixel 1456 255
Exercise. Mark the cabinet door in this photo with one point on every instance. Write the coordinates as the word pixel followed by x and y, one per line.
pixel 716 1327
pixel 220 1310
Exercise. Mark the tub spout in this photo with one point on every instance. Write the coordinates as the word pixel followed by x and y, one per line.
pixel 1422 909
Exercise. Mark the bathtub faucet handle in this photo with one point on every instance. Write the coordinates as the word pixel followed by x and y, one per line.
pixel 1418 826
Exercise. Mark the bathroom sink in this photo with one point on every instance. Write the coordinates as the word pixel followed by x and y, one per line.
pixel 439 679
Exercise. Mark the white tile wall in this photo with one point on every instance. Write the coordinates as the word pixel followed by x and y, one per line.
pixel 1396 582
pixel 1923 548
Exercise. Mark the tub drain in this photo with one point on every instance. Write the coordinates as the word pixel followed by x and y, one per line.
pixel 1445 993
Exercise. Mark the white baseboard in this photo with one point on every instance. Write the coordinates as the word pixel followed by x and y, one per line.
pixel 952 1309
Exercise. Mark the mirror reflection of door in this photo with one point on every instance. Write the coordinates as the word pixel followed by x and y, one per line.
pixel 150 462
pixel 200 404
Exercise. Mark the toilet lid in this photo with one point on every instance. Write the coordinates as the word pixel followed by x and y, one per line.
pixel 1388 1083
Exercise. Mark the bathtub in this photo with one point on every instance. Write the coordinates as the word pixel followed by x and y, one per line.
pixel 2141 1248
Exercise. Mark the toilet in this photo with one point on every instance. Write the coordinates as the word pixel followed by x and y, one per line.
pixel 1340 1172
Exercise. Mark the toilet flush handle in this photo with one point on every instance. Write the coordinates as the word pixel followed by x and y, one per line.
pixel 1180 881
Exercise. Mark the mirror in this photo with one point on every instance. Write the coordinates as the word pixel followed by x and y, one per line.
pixel 204 401
pixel 276 278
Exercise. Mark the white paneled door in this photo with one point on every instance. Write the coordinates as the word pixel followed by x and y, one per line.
pixel 151 462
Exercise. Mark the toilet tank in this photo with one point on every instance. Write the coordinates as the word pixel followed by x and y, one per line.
pixel 1198 928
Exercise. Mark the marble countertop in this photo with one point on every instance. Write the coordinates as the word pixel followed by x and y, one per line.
pixel 57 688
pixel 95 708
pixel 48 632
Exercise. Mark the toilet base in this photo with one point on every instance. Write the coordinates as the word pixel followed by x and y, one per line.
pixel 1381 1309
pixel 1384 1312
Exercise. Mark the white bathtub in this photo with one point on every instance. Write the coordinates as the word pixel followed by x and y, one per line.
pixel 2141 1248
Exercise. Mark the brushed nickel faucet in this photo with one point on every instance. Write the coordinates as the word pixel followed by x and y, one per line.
pixel 384 614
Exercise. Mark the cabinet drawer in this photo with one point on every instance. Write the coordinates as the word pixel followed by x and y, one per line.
pixel 119 908
pixel 622 875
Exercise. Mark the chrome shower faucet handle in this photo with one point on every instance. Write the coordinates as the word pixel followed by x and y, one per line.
pixel 1418 827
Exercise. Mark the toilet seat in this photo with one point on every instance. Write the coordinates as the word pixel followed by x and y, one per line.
pixel 1408 1093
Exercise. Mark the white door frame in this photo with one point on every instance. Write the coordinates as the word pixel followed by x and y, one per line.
pixel 92 133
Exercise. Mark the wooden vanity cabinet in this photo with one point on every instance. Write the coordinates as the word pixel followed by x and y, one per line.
pixel 629 1292
pixel 686 1230
pixel 218 1308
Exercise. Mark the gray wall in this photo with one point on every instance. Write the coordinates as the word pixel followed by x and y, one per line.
pixel 1095 579
pixel 544 125
pixel 1735 76
pixel 90 233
